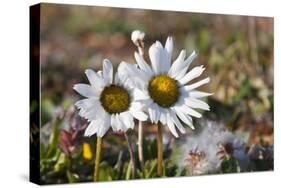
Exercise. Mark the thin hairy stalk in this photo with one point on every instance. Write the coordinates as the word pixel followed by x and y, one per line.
pixel 141 47
pixel 140 148
pixel 140 133
pixel 131 152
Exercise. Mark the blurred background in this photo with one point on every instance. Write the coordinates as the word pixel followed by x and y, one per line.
pixel 237 52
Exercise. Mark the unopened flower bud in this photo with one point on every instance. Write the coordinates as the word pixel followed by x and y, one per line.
pixel 137 38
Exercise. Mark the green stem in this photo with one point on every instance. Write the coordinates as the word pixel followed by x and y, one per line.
pixel 97 161
pixel 159 150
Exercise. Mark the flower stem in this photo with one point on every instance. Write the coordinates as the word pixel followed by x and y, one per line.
pixel 141 47
pixel 159 150
pixel 140 133
pixel 131 152
pixel 140 148
pixel 97 162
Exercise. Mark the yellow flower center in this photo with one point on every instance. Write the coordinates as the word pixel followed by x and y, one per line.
pixel 115 99
pixel 163 90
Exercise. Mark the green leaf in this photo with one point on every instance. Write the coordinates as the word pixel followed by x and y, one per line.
pixel 230 165
pixel 61 163
pixel 54 137
pixel 151 168
pixel 71 177
pixel 128 171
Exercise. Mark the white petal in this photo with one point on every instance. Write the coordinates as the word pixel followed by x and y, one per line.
pixel 116 79
pixel 93 127
pixel 188 110
pixel 103 128
pixel 152 113
pixel 183 94
pixel 145 102
pixel 95 80
pixel 140 115
pixel 199 94
pixel 127 119
pixel 184 117
pixel 189 60
pixel 139 94
pixel 174 68
pixel 139 77
pixel 123 72
pixel 143 65
pixel 196 84
pixel 133 70
pixel 107 71
pixel 136 106
pixel 171 125
pixel 180 73
pixel 164 63
pixel 181 67
pixel 169 48
pixel 90 111
pixel 120 125
pixel 196 103
pixel 85 90
pixel 114 124
pixel 163 116
pixel 176 121
pixel 185 65
pixel 155 53
pixel 100 73
pixel 86 104
pixel 194 73
pixel 90 115
pixel 157 112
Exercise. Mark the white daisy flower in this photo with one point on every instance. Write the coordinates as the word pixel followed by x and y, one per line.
pixel 164 89
pixel 110 101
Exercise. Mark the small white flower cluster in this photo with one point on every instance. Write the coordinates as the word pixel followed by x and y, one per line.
pixel 203 153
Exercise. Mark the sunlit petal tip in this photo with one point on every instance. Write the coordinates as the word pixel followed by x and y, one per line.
pixel 87 71
pixel 194 53
pixel 170 37
pixel 99 73
pixel 74 86
pixel 87 135
pixel 158 44
pixel 107 61
pixel 169 42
